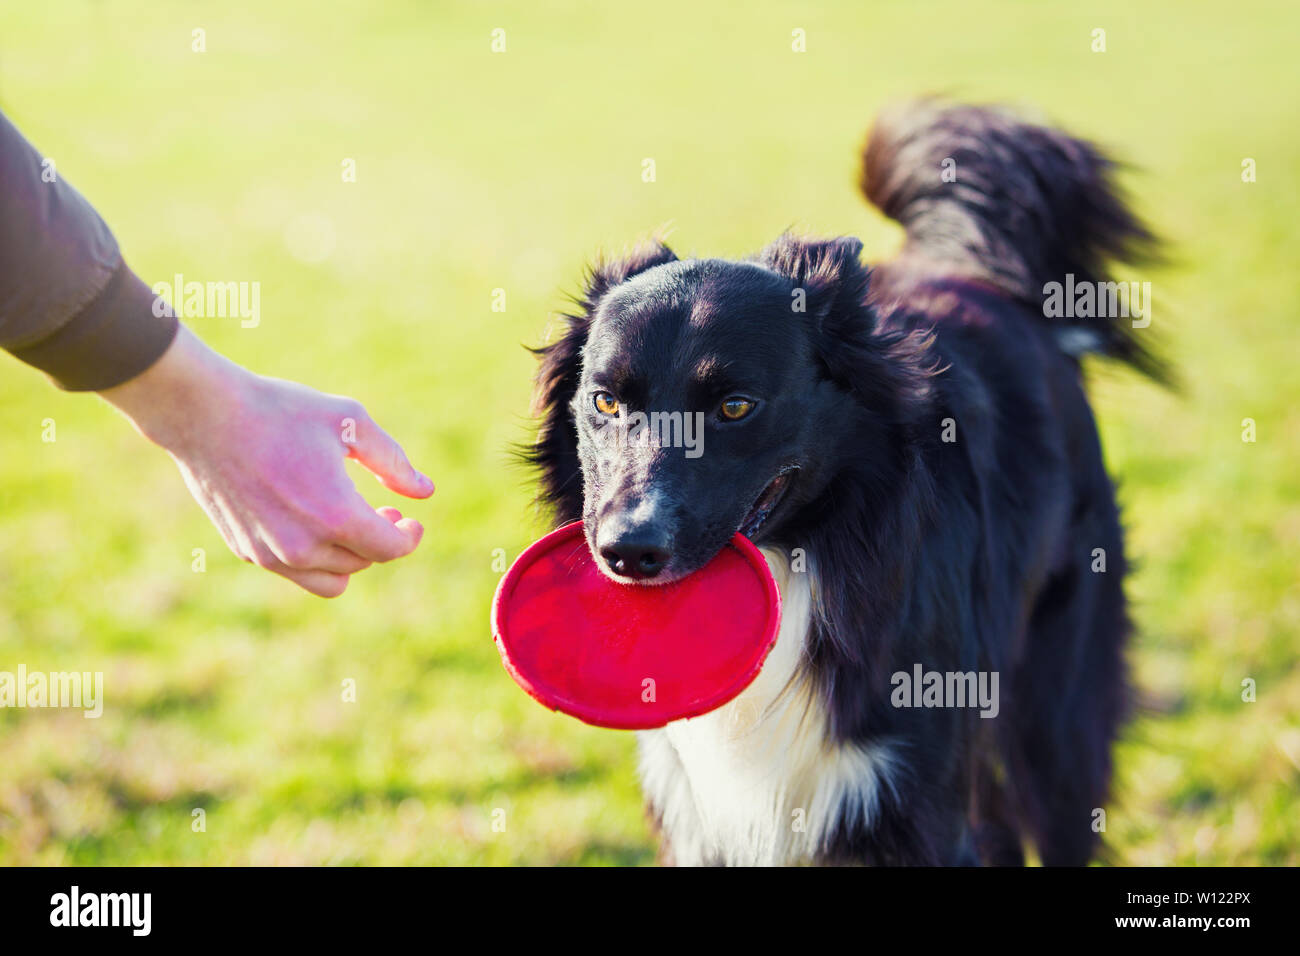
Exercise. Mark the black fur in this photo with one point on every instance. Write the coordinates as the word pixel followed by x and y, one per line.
pixel 973 554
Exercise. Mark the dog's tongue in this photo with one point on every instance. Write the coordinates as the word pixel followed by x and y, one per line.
pixel 628 656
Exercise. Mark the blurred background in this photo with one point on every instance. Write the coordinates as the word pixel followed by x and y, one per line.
pixel 479 171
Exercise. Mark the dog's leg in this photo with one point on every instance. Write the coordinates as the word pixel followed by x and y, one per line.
pixel 994 829
pixel 669 801
pixel 1070 693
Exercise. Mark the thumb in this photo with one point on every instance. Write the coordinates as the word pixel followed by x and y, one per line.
pixel 380 455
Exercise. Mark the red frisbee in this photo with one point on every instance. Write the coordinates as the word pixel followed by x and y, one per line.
pixel 629 656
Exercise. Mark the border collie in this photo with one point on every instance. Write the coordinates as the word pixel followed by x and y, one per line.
pixel 911 447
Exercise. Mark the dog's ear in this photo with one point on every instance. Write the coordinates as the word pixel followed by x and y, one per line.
pixel 555 452
pixel 885 370
pixel 828 271
pixel 880 495
pixel 830 287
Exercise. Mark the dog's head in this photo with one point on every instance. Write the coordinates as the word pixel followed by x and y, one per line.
pixel 689 400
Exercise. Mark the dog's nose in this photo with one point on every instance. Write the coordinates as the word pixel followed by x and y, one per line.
pixel 636 555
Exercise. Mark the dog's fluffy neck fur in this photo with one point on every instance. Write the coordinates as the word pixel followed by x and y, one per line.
pixel 759 781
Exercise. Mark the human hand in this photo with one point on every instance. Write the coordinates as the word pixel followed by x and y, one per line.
pixel 264 458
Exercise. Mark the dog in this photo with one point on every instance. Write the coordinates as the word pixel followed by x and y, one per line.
pixel 912 449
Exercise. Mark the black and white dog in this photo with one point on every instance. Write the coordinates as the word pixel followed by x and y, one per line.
pixel 912 448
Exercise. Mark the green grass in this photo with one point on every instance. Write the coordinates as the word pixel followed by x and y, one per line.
pixel 479 171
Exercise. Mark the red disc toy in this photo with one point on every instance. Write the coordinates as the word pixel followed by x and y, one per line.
pixel 632 656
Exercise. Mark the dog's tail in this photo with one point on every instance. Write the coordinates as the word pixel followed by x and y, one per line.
pixel 1029 209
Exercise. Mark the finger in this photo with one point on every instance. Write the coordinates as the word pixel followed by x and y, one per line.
pixel 343 561
pixel 375 537
pixel 413 529
pixel 321 583
pixel 303 554
pixel 409 525
pixel 338 560
pixel 376 450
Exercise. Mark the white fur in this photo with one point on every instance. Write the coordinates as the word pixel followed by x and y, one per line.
pixel 757 782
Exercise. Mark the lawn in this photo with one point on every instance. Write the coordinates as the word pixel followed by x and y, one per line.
pixel 479 171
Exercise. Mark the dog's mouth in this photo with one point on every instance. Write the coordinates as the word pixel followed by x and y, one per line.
pixel 767 503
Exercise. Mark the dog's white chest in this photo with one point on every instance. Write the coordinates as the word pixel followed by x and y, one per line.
pixel 757 782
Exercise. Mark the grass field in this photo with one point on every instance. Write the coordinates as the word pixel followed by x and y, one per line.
pixel 478 171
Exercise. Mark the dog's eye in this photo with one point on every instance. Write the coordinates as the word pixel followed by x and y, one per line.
pixel 734 409
pixel 606 403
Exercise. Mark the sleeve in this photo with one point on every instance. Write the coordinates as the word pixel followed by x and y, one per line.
pixel 69 304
